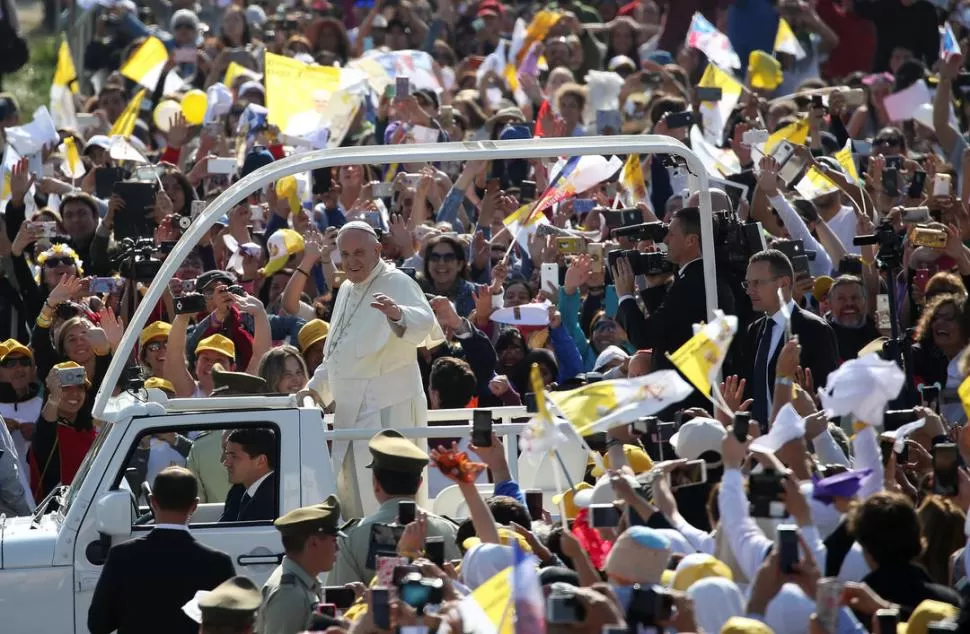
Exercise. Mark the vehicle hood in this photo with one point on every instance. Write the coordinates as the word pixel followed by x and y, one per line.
pixel 24 544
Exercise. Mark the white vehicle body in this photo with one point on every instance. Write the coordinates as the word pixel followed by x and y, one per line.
pixel 50 563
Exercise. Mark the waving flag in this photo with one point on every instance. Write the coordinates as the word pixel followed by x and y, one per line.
pixel 764 71
pixel 63 88
pixel 949 45
pixel 606 404
pixel 542 22
pixel 146 64
pixel 522 223
pixel 814 184
pixel 796 133
pixel 124 125
pixel 844 157
pixel 530 603
pixel 716 114
pixel 786 42
pixel 634 187
pixel 73 167
pixel 579 174
pixel 700 358
pixel 541 434
pixel 704 37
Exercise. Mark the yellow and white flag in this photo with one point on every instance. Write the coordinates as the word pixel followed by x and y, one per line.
pixel 542 22
pixel 541 434
pixel 72 167
pixel 145 66
pixel 124 125
pixel 796 133
pixel 523 222
pixel 716 114
pixel 631 178
pixel 786 42
pixel 63 88
pixel 814 184
pixel 603 405
pixel 844 157
pixel 700 358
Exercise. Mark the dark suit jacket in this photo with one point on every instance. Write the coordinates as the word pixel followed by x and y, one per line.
pixel 820 351
pixel 261 507
pixel 145 583
pixel 672 312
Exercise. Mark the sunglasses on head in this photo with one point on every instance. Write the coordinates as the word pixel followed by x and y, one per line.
pixel 447 257
pixel 15 361
pixel 59 261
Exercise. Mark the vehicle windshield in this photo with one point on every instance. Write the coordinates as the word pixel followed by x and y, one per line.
pixel 85 467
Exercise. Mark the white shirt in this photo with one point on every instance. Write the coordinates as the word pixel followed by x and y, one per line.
pixel 172 527
pixel 843 224
pixel 251 491
pixel 680 273
pixel 776 333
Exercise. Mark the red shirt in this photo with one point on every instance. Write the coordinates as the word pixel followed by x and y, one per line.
pixel 857 40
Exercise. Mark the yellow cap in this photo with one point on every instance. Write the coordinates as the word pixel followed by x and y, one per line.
pixel 636 457
pixel 12 346
pixel 217 343
pixel 506 537
pixel 312 331
pixel 567 499
pixel 155 330
pixel 821 286
pixel 925 613
pixel 744 625
pixel 705 566
pixel 159 383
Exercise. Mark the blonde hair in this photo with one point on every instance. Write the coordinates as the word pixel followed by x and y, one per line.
pixel 273 364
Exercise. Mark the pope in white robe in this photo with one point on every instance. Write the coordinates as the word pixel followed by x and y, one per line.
pixel 370 368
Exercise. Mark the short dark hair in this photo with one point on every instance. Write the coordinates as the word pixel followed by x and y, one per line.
pixel 690 220
pixel 507 509
pixel 777 261
pixel 454 380
pixel 868 522
pixel 79 197
pixel 296 542
pixel 256 441
pixel 398 482
pixel 175 489
pixel 847 280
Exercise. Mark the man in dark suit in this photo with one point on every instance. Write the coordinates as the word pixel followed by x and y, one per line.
pixel 671 309
pixel 145 582
pixel 250 460
pixel 768 272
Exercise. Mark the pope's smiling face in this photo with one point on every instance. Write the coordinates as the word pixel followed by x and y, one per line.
pixel 359 254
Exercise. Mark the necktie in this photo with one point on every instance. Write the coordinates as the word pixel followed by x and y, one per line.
pixel 246 499
pixel 762 397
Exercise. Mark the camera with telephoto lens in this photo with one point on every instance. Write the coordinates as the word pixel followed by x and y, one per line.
pixel 419 591
pixel 764 493
pixel 889 242
pixel 653 231
pixel 135 260
pixel 735 242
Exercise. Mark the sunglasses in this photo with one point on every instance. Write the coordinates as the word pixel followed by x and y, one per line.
pixel 447 257
pixel 61 261
pixel 24 362
pixel 155 346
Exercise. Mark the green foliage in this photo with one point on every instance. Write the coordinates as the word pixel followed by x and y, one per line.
pixel 31 85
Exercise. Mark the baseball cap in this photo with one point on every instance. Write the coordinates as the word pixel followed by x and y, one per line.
pixel 219 344
pixel 697 436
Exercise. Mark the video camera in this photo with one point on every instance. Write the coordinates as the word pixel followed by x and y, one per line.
pixel 654 263
pixel 135 259
pixel 735 242
pixel 653 231
pixel 889 242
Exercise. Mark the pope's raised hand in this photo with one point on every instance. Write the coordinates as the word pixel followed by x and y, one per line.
pixel 387 306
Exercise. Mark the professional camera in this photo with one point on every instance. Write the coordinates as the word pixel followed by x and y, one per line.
pixel 889 242
pixel 653 231
pixel 654 263
pixel 735 242
pixel 135 259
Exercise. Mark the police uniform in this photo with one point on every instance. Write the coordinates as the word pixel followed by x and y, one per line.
pixel 225 383
pixel 231 606
pixel 389 450
pixel 291 592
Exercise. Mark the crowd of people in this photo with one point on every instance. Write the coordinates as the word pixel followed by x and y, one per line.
pixel 836 132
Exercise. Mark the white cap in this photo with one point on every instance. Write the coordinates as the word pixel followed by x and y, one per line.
pixel 251 85
pixel 602 493
pixel 98 140
pixel 697 436
pixel 609 355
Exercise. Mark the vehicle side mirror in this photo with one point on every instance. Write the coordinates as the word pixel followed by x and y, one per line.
pixel 113 514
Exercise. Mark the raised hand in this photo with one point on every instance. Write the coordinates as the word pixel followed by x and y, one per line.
pixel 387 306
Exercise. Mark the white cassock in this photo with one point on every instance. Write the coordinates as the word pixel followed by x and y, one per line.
pixel 370 369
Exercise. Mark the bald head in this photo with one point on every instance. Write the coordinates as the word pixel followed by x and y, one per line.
pixel 360 250
pixel 719 200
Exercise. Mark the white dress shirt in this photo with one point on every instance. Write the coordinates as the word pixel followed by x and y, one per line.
pixel 251 491
pixel 776 333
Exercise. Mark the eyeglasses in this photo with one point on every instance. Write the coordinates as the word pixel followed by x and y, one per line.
pixel 746 284
pixel 61 261
pixel 24 362
pixel 447 257
pixel 155 346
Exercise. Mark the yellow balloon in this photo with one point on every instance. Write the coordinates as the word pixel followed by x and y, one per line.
pixel 193 106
